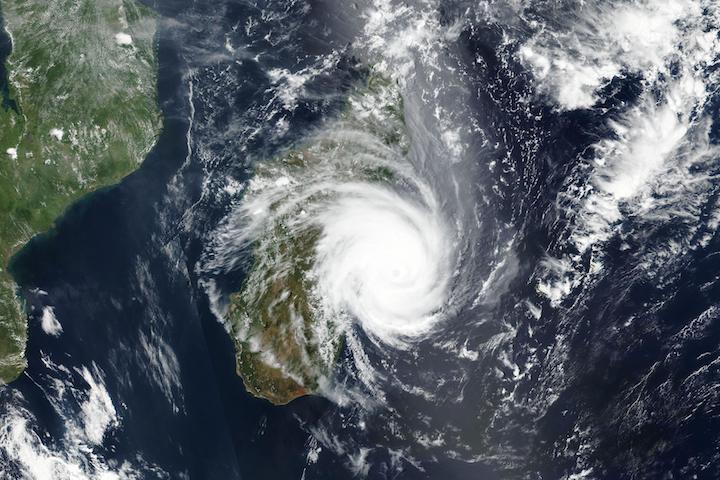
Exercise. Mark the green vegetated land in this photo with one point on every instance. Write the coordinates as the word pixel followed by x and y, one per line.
pixel 81 113
pixel 284 348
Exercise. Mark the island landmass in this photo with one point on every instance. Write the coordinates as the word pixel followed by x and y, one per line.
pixel 284 348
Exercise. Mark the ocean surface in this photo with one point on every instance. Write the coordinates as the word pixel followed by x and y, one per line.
pixel 116 274
pixel 580 175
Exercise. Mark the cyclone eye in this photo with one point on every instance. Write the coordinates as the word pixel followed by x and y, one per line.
pixel 399 272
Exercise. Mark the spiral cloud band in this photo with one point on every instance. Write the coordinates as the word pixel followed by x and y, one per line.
pixel 337 233
pixel 383 259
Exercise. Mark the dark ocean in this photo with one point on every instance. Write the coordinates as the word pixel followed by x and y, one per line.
pixel 617 377
pixel 86 269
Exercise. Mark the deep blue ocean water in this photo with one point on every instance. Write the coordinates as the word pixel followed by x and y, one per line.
pixel 120 270
pixel 86 266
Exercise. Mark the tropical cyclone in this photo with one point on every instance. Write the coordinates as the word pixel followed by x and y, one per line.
pixel 80 113
pixel 342 232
